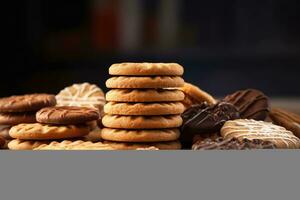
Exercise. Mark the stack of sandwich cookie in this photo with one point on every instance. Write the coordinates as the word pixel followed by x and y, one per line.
pixel 54 123
pixel 20 109
pixel 143 108
pixel 84 95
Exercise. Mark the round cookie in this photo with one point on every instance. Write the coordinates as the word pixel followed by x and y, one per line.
pixel 74 145
pixel 25 144
pixel 251 103
pixel 39 131
pixel 26 103
pixel 288 120
pixel 171 108
pixel 173 145
pixel 251 129
pixel 146 69
pixel 194 95
pixel 144 95
pixel 120 135
pixel 17 118
pixel 142 122
pixel 81 95
pixel 66 115
pixel 123 82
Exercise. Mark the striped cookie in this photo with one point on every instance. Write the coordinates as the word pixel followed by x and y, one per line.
pixel 251 129
pixel 82 95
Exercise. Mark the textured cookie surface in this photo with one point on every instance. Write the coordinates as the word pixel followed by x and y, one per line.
pixel 120 135
pixel 25 144
pixel 194 95
pixel 171 108
pixel 26 103
pixel 290 121
pixel 144 82
pixel 251 103
pixel 251 129
pixel 174 145
pixel 82 95
pixel 67 115
pixel 38 131
pixel 142 122
pixel 16 118
pixel 144 95
pixel 142 69
pixel 75 145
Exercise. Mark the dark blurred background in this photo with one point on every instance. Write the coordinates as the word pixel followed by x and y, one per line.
pixel 224 45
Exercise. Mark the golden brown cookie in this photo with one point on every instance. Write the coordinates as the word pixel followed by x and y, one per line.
pixel 125 82
pixel 144 95
pixel 288 120
pixel 142 122
pixel 174 145
pixel 67 115
pixel 94 135
pixel 26 103
pixel 146 69
pixel 82 95
pixel 194 95
pixel 39 131
pixel 75 145
pixel 17 118
pixel 120 135
pixel 251 129
pixel 17 144
pixel 172 108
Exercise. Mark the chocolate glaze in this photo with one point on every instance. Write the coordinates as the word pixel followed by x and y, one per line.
pixel 232 144
pixel 251 103
pixel 203 119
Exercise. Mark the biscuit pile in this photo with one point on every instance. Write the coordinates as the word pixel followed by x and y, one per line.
pixel 19 109
pixel 54 123
pixel 143 107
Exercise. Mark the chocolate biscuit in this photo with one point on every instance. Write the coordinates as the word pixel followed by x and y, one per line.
pixel 251 103
pixel 26 103
pixel 66 115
